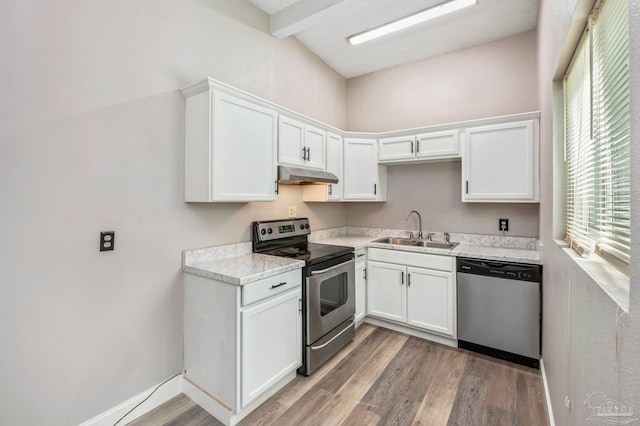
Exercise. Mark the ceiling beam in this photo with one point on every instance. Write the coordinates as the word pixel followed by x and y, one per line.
pixel 305 13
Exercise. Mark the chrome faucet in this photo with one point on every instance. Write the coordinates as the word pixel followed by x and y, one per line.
pixel 419 221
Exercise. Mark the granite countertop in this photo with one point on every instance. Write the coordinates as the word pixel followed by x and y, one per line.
pixel 498 253
pixel 242 269
pixel 349 240
pixel 236 264
pixel 474 250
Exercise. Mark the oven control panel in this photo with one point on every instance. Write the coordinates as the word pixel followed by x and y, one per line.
pixel 277 229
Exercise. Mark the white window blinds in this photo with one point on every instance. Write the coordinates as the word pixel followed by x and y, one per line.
pixel 597 136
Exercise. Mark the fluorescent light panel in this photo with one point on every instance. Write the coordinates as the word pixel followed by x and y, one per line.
pixel 409 21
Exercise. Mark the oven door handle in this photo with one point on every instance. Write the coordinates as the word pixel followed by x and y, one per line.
pixel 322 271
pixel 315 348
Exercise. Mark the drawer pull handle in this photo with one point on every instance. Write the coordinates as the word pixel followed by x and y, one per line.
pixel 315 348
pixel 360 255
pixel 278 285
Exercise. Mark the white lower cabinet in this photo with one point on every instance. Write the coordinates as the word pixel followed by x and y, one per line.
pixel 241 343
pixel 387 293
pixel 271 343
pixel 430 300
pixel 414 289
pixel 361 286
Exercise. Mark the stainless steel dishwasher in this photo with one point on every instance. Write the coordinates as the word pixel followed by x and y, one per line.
pixel 499 309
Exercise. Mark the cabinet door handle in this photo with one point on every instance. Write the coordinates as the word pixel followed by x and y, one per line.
pixel 417 146
pixel 467 183
pixel 276 187
pixel 278 285
pixel 408 279
pixel 304 154
pixel 375 188
pixel 365 274
pixel 402 279
pixel 412 147
pixel 330 189
pixel 299 307
pixel 308 154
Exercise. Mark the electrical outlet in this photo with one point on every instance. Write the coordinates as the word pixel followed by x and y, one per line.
pixel 292 211
pixel 503 225
pixel 107 240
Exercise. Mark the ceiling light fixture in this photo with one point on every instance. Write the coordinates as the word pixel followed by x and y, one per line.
pixel 411 20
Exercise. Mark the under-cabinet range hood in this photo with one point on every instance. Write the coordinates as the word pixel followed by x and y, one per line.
pixel 299 176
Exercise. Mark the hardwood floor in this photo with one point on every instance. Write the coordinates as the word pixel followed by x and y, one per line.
pixel 384 377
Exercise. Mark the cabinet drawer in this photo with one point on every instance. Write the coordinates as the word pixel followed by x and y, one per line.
pixel 421 260
pixel 361 255
pixel 271 286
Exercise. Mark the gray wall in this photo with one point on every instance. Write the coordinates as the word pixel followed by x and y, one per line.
pixel 589 343
pixel 492 79
pixel 91 139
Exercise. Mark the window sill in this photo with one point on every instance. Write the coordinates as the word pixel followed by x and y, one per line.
pixel 613 282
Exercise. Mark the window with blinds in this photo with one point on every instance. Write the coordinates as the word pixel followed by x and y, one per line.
pixel 597 136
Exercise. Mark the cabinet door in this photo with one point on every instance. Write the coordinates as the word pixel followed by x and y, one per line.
pixel 334 165
pixel 243 154
pixel 500 163
pixel 361 291
pixel 386 291
pixel 271 343
pixel 430 300
pixel 360 169
pixel 438 144
pixel 314 143
pixel 290 142
pixel 398 148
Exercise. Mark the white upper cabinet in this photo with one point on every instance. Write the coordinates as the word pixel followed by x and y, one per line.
pixel 230 146
pixel 364 179
pixel 397 148
pixel 300 144
pixel 291 149
pixel 500 163
pixel 428 146
pixel 334 159
pixel 438 145
pixel 315 141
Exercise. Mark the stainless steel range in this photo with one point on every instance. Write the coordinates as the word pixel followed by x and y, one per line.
pixel 328 291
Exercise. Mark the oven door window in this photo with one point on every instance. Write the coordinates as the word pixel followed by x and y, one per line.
pixel 333 293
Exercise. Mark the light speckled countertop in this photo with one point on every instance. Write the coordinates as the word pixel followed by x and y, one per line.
pixel 505 254
pixel 355 241
pixel 234 265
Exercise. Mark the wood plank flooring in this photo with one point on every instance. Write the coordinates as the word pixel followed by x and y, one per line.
pixel 388 378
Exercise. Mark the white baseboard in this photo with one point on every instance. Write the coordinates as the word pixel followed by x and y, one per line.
pixel 546 394
pixel 223 413
pixel 164 393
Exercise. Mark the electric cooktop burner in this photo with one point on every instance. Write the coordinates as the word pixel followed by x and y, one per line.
pixel 288 238
pixel 310 252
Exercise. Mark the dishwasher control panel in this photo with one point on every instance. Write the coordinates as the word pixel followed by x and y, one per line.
pixel 508 270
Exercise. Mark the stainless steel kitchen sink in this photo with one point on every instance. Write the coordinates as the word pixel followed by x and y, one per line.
pixel 436 244
pixel 416 243
pixel 397 241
